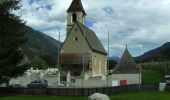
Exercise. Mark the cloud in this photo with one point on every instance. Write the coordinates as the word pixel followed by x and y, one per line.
pixel 142 24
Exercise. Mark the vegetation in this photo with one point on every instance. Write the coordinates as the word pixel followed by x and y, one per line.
pixel 166 54
pixel 49 60
pixel 128 96
pixel 142 96
pixel 11 38
pixel 151 77
pixel 43 62
pixel 38 63
pixel 112 64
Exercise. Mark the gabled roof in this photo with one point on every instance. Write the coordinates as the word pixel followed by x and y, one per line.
pixel 126 64
pixel 76 5
pixel 91 38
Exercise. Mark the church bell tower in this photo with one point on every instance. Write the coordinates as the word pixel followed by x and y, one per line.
pixel 75 13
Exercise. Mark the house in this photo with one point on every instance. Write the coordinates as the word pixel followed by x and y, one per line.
pixel 82 51
pixel 126 71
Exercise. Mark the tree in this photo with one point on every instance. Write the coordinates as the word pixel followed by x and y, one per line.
pixel 151 76
pixel 49 60
pixel 112 64
pixel 11 38
pixel 39 63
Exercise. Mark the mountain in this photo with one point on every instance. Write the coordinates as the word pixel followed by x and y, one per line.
pixel 161 53
pixel 38 44
pixel 114 58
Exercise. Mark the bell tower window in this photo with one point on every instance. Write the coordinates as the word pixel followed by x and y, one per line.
pixel 76 39
pixel 74 17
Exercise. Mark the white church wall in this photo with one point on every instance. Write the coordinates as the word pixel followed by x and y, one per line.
pixel 99 64
pixel 50 75
pixel 131 78
pixel 92 82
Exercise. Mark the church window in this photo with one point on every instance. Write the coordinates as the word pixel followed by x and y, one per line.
pixel 76 39
pixel 74 17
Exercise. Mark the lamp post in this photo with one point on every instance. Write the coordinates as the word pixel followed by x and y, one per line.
pixel 83 59
pixel 59 59
pixel 59 51
pixel 140 72
pixel 108 61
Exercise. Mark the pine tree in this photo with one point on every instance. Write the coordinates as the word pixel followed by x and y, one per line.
pixel 11 38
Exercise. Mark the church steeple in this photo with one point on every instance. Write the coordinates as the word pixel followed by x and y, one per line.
pixel 75 6
pixel 126 63
pixel 75 13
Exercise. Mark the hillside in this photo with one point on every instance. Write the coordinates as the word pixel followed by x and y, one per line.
pixel 38 44
pixel 161 53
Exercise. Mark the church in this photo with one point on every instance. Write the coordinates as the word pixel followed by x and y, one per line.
pixel 82 52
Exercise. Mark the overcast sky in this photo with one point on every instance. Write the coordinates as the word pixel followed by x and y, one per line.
pixel 141 24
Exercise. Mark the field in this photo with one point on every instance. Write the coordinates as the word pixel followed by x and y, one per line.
pixel 128 96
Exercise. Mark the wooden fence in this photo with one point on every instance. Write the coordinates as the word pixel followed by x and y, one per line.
pixel 77 91
pixel 162 67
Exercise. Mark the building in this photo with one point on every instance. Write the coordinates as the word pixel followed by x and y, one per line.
pixel 82 51
pixel 126 71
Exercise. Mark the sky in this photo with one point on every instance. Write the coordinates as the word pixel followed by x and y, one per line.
pixel 141 24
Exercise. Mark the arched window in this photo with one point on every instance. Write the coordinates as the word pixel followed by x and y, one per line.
pixel 74 17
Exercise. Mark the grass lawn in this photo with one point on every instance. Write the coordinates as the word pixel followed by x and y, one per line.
pixel 128 96
pixel 142 96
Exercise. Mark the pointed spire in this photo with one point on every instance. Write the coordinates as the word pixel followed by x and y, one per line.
pixel 76 5
pixel 126 63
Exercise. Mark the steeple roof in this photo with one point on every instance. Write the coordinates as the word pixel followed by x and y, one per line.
pixel 76 5
pixel 126 64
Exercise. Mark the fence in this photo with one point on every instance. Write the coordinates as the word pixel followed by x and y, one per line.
pixel 157 66
pixel 167 88
pixel 77 91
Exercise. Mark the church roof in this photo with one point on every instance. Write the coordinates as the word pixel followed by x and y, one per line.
pixel 91 38
pixel 76 5
pixel 126 64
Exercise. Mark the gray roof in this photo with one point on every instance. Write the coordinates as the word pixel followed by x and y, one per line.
pixel 91 38
pixel 126 64
pixel 76 5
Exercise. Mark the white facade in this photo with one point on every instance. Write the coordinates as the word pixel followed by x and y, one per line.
pixel 130 78
pixel 52 75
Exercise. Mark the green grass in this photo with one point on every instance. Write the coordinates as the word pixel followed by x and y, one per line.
pixel 142 96
pixel 127 96
pixel 42 98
